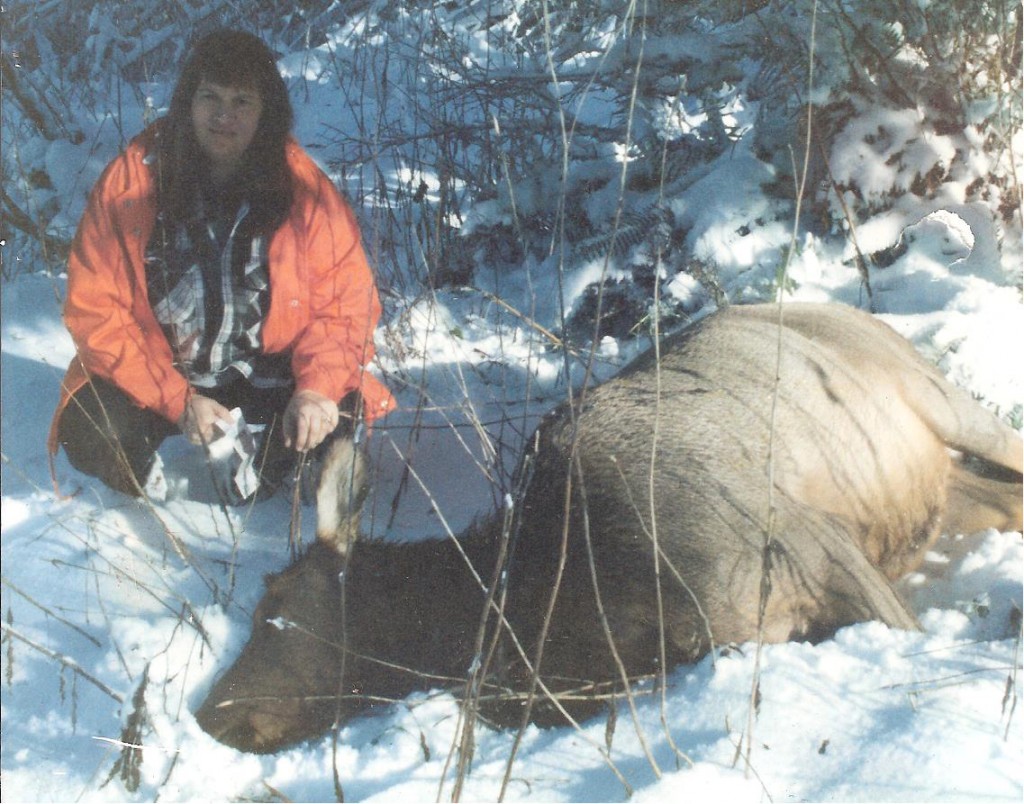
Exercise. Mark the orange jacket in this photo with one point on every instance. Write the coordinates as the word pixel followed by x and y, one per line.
pixel 323 301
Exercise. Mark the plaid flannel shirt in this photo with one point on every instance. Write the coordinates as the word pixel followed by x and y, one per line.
pixel 208 283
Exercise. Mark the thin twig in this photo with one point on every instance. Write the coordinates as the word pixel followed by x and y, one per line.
pixel 769 522
pixel 50 613
pixel 65 661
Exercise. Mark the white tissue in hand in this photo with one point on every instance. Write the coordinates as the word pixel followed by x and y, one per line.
pixel 235 450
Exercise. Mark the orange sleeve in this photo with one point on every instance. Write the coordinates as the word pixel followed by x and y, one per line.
pixel 331 353
pixel 106 311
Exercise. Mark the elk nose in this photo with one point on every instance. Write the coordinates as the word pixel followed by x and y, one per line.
pixel 257 728
pixel 231 724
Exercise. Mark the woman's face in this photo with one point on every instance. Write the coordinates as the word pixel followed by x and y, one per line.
pixel 225 120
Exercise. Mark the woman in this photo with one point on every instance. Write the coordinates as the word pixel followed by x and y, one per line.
pixel 215 267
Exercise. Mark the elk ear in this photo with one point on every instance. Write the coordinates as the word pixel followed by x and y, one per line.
pixel 340 493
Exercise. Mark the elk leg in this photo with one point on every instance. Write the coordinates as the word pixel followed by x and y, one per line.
pixel 976 502
pixel 822 581
pixel 341 491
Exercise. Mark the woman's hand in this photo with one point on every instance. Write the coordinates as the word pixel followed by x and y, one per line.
pixel 200 416
pixel 309 418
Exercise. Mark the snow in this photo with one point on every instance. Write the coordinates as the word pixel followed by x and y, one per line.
pixel 103 595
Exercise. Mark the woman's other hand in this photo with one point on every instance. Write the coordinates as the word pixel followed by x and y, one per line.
pixel 200 416
pixel 309 418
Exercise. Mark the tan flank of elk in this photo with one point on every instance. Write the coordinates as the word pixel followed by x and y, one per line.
pixel 698 472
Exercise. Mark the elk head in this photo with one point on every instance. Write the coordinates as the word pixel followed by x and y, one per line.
pixel 284 686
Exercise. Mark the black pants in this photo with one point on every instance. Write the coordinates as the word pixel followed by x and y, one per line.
pixel 107 436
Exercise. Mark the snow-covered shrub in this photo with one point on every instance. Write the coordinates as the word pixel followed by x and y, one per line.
pixel 499 133
pixel 929 107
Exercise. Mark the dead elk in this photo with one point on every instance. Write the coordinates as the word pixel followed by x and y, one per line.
pixel 665 473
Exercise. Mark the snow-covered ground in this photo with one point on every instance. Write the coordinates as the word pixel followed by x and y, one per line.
pixel 118 611
pixel 132 592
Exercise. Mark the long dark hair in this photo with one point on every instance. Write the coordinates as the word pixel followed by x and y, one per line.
pixel 232 59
